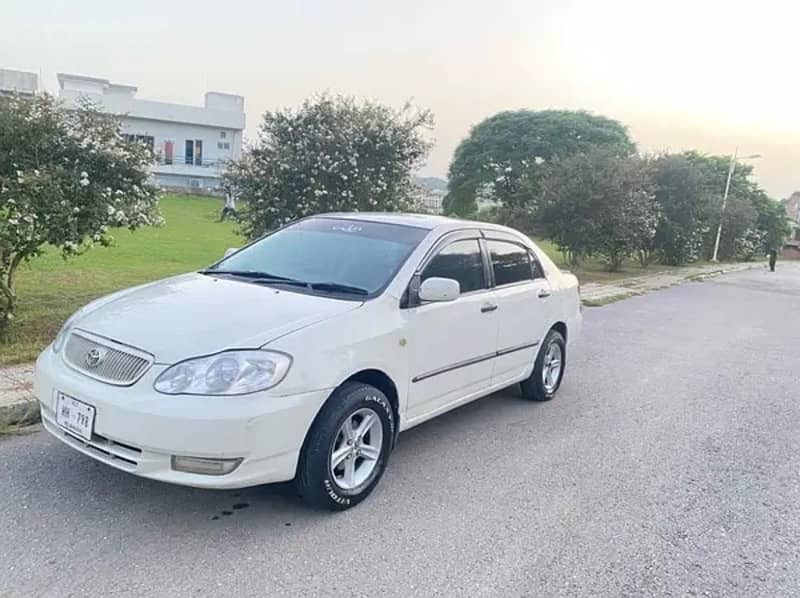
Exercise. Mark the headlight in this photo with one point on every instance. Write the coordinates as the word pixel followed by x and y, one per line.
pixel 228 373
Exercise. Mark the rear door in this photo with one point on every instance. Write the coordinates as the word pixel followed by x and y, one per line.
pixel 452 344
pixel 524 306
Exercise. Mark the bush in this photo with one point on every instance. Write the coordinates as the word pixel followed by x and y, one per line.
pixel 599 204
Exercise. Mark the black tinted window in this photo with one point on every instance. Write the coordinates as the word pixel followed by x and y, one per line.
pixel 511 263
pixel 461 260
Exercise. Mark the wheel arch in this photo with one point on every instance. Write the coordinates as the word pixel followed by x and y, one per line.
pixel 380 380
pixel 561 328
pixel 373 377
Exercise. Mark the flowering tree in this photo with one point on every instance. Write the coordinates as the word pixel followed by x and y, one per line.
pixel 66 178
pixel 331 154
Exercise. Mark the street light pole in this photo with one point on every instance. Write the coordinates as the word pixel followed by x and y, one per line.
pixel 725 199
pixel 724 204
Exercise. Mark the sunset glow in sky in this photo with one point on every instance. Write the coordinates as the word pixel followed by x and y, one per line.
pixel 702 74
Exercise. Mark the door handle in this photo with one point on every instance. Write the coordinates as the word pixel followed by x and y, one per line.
pixel 543 293
pixel 487 307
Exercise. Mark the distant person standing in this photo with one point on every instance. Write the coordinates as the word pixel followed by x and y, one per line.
pixel 773 257
pixel 229 208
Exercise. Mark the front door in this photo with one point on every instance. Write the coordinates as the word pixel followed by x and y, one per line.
pixel 169 150
pixel 452 344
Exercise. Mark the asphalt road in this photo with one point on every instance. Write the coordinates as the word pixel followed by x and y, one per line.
pixel 669 465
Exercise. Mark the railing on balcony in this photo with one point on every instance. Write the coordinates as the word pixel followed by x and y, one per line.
pixel 189 161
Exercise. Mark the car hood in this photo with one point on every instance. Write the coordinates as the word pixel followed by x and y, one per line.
pixel 195 314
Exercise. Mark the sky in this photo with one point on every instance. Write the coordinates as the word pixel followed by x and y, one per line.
pixel 702 74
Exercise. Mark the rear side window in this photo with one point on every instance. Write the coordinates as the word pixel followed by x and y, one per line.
pixel 511 263
pixel 461 260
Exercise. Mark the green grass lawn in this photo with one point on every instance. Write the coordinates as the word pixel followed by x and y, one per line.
pixel 50 288
pixel 597 271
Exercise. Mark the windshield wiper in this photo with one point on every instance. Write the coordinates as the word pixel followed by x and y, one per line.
pixel 266 278
pixel 335 287
pixel 253 274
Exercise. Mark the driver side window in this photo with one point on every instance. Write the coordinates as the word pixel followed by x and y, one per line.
pixel 461 261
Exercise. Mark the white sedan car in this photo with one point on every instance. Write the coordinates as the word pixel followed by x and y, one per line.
pixel 304 354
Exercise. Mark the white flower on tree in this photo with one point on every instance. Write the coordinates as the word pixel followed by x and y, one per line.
pixel 76 158
pixel 331 154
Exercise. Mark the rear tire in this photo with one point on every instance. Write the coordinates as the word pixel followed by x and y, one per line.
pixel 548 371
pixel 347 448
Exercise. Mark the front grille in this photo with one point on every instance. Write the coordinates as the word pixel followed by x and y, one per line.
pixel 101 359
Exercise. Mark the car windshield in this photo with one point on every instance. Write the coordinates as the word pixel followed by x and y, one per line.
pixel 330 255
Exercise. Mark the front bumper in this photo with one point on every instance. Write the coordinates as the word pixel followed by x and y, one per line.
pixel 138 430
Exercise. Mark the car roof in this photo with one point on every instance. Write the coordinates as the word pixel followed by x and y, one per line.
pixel 425 221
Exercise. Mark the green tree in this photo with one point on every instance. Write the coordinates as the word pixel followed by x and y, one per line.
pixel 740 240
pixel 598 203
pixel 772 221
pixel 685 200
pixel 504 156
pixel 753 223
pixel 66 178
pixel 331 154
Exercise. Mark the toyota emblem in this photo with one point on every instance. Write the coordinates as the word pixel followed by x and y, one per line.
pixel 94 357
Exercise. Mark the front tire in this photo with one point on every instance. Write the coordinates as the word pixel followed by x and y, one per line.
pixel 347 448
pixel 544 381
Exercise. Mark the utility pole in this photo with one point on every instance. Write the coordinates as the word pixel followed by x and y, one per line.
pixel 725 198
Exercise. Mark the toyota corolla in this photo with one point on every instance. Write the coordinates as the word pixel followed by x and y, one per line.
pixel 303 355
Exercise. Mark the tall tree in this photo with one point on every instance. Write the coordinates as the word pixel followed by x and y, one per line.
pixel 685 201
pixel 504 156
pixel 772 221
pixel 740 239
pixel 597 203
pixel 66 178
pixel 752 224
pixel 332 154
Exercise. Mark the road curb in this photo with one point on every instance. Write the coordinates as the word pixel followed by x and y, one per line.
pixel 19 413
pixel 712 273
pixel 604 294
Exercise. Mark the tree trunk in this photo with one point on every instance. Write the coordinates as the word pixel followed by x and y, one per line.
pixel 615 261
pixel 8 293
pixel 8 301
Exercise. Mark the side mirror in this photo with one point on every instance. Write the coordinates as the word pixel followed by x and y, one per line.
pixel 230 251
pixel 439 289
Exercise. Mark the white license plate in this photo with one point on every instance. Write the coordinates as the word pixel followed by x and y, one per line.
pixel 75 416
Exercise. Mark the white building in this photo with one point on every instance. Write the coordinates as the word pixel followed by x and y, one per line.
pixel 190 143
pixel 20 82
pixel 432 200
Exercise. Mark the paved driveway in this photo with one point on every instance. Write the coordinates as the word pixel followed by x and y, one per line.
pixel 668 465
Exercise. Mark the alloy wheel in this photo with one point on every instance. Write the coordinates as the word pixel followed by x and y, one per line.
pixel 551 369
pixel 356 449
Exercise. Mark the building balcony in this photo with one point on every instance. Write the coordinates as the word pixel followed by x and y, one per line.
pixel 178 166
